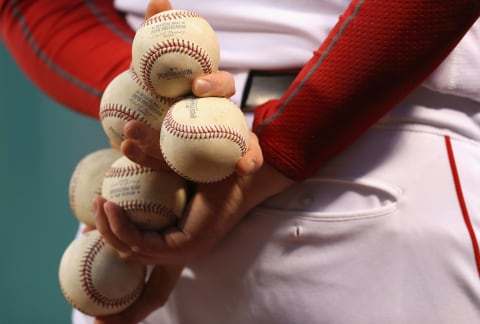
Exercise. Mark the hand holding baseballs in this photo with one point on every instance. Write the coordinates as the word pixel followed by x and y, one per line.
pixel 141 141
pixel 214 210
pixel 141 145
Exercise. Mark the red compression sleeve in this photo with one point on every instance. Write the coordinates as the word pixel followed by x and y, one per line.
pixel 71 49
pixel 377 53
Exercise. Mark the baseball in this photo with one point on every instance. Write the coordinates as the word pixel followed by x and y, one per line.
pixel 172 48
pixel 152 199
pixel 95 280
pixel 202 139
pixel 126 98
pixel 86 182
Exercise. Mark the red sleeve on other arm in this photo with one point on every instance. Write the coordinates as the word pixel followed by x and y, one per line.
pixel 379 51
pixel 69 49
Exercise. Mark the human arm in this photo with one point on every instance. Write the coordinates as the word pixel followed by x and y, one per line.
pixel 377 53
pixel 70 49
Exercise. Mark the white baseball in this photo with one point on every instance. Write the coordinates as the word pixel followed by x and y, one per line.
pixel 152 199
pixel 86 182
pixel 126 98
pixel 203 138
pixel 172 48
pixel 95 280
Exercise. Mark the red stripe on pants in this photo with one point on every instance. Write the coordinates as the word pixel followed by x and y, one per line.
pixel 461 200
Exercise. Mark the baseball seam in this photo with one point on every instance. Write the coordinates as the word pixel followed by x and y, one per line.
pixel 126 171
pixel 204 132
pixel 178 46
pixel 150 207
pixel 198 133
pixel 72 302
pixel 89 286
pixel 120 112
pixel 165 16
pixel 142 86
pixel 186 176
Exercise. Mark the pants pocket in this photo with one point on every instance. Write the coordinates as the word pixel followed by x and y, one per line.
pixel 335 199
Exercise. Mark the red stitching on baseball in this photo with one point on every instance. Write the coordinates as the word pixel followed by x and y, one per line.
pixel 150 207
pixel 125 171
pixel 167 16
pixel 174 46
pixel 186 176
pixel 71 301
pixel 204 132
pixel 89 286
pixel 120 112
pixel 157 97
pixel 74 185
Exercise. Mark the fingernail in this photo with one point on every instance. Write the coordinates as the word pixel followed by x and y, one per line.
pixel 202 87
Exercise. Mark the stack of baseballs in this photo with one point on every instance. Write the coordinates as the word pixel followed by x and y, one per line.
pixel 93 277
pixel 201 140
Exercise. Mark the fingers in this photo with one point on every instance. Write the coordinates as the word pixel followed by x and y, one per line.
pixel 132 150
pixel 147 247
pixel 156 6
pixel 142 145
pixel 252 161
pixel 147 138
pixel 110 226
pixel 131 243
pixel 216 84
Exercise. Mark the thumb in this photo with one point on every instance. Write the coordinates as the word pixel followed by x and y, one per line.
pixel 156 6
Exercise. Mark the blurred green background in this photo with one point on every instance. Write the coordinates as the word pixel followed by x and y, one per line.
pixel 40 144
